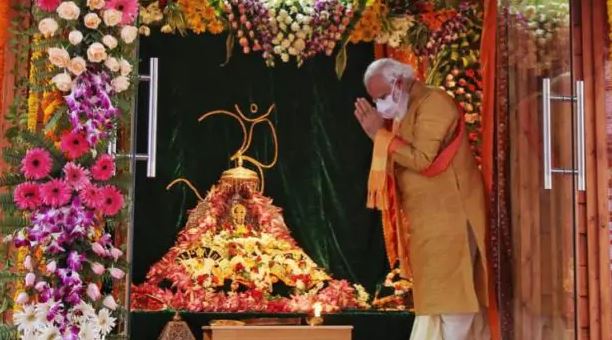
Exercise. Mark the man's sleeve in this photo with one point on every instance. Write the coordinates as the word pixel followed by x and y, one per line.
pixel 436 119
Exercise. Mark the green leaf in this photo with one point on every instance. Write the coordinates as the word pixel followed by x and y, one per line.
pixel 8 332
pixel 10 179
pixel 52 123
pixel 229 47
pixel 13 223
pixel 341 60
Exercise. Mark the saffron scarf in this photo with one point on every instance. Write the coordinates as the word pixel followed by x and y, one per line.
pixel 382 189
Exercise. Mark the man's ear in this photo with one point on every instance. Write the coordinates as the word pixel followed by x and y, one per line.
pixel 396 87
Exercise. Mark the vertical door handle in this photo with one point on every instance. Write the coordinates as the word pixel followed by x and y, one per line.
pixel 580 136
pixel 151 155
pixel 546 131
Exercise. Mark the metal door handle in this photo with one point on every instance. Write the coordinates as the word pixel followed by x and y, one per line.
pixel 151 155
pixel 579 170
pixel 546 138
pixel 580 136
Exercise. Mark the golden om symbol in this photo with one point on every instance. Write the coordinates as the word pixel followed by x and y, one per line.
pixel 247 138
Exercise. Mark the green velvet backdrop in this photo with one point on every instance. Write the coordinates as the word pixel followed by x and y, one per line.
pixel 321 174
pixel 319 180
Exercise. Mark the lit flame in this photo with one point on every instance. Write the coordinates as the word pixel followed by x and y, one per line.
pixel 317 307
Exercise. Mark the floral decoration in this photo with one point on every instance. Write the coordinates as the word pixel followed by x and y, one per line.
pixel 62 196
pixel 220 265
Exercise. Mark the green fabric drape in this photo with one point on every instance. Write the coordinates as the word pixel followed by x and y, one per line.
pixel 320 178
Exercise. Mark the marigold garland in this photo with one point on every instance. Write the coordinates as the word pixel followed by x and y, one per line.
pixel 34 96
pixel 201 17
pixel 370 23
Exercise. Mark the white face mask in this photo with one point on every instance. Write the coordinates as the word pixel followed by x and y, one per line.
pixel 390 108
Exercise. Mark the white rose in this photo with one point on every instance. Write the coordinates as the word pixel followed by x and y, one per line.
pixel 62 81
pixel 129 34
pixel 75 37
pixel 295 27
pixel 112 64
pixel 285 57
pixel 96 52
pixel 120 84
pixel 68 10
pixel 77 66
pixel 47 27
pixel 126 67
pixel 92 21
pixel 58 56
pixel 112 17
pixel 109 41
pixel 95 4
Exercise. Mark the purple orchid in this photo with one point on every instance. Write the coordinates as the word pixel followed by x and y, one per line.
pixel 90 108
pixel 75 260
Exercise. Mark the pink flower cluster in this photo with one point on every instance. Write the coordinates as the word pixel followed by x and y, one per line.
pixel 66 217
pixel 76 183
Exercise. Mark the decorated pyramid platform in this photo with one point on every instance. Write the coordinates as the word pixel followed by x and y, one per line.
pixel 236 254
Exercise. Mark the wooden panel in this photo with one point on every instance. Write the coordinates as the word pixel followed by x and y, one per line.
pixel 594 215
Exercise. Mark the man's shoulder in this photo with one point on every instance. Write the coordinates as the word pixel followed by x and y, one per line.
pixel 436 95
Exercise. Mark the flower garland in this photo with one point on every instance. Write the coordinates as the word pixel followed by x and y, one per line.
pixel 279 29
pixel 34 95
pixel 62 196
pixel 66 204
pixel 370 24
pixel 201 16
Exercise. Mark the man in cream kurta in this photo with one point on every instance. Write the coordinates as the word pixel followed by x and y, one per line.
pixel 442 245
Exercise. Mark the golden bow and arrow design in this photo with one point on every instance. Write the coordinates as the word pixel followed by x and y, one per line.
pixel 247 126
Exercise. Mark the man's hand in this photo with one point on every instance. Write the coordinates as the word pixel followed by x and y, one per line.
pixel 368 117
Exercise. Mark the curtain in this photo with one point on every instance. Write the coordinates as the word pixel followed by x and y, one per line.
pixel 320 178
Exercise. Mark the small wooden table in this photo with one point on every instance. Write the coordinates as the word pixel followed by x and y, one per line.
pixel 277 332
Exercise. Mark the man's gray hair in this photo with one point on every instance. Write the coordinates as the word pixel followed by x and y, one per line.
pixel 389 68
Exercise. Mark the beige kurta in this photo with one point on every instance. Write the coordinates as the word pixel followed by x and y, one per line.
pixel 441 209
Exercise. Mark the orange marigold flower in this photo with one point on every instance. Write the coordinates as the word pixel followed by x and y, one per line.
pixel 215 27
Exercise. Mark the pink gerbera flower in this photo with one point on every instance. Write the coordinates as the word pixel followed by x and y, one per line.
pixel 76 176
pixel 55 193
pixel 74 144
pixel 27 196
pixel 48 5
pixel 36 164
pixel 104 168
pixel 111 200
pixel 90 195
pixel 129 8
